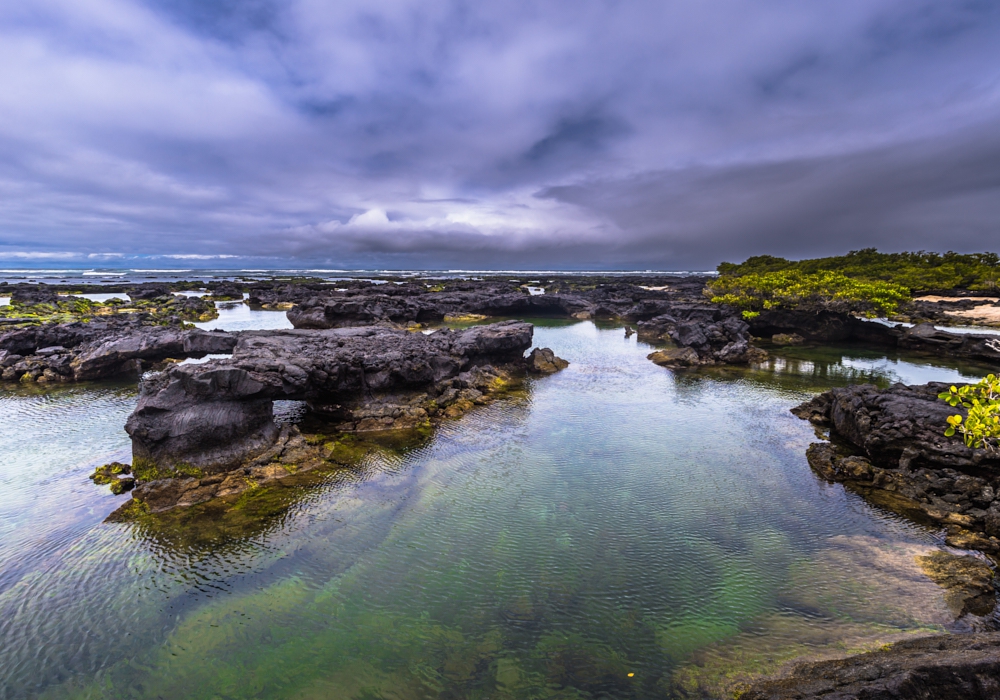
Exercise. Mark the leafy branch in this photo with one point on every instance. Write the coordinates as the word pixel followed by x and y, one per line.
pixel 981 427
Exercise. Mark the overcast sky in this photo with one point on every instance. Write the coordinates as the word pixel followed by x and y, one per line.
pixel 441 134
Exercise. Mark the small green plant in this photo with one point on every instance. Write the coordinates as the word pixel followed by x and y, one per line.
pixel 981 427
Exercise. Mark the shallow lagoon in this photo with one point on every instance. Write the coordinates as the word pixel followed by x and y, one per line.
pixel 616 518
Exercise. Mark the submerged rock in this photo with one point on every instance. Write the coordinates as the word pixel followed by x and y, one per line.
pixel 967 580
pixel 115 475
pixel 953 667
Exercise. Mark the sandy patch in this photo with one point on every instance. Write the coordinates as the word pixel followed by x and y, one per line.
pixel 983 314
pixel 934 298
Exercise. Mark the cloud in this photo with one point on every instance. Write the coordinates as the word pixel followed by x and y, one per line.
pixel 194 256
pixel 431 133
pixel 37 255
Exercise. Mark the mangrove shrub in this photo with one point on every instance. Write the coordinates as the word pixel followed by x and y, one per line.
pixel 981 427
pixel 920 271
pixel 757 291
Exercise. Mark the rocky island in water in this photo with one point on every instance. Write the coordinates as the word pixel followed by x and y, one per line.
pixel 384 364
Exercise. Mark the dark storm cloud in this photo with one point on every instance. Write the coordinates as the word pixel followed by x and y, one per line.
pixel 934 194
pixel 582 134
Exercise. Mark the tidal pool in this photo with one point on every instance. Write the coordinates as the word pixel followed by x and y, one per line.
pixel 616 530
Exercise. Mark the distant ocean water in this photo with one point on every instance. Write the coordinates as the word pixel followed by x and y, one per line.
pixel 123 275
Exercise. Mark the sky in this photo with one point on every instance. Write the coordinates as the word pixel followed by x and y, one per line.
pixel 442 134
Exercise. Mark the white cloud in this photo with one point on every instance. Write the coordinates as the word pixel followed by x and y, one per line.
pixel 38 255
pixel 195 256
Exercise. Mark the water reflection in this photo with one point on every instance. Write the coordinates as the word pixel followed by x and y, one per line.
pixel 237 316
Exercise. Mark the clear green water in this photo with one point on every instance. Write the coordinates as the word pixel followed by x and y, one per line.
pixel 616 519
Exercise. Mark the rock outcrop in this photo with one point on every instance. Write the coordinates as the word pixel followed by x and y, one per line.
pixel 825 325
pixel 217 415
pixel 925 337
pixel 677 312
pixel 953 667
pixel 890 447
pixel 898 427
pixel 544 361
pixel 375 306
pixel 100 349
pixel 822 323
pixel 715 334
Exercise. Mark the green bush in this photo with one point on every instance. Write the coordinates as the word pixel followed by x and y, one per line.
pixel 981 427
pixel 756 292
pixel 920 271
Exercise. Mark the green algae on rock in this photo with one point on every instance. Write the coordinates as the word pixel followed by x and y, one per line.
pixel 116 476
pixel 69 309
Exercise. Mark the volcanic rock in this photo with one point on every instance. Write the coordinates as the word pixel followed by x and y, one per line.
pixel 219 414
pixel 544 361
pixel 942 667
pixel 101 349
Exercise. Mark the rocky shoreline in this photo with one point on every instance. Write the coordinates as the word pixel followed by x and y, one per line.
pixel 127 342
pixel 354 357
pixel 944 667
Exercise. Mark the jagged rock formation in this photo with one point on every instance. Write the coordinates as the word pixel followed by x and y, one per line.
pixel 714 334
pixel 891 448
pixel 29 295
pixel 544 361
pixel 902 426
pixel 954 667
pixel 207 431
pixel 100 349
pixel 219 414
pixel 677 313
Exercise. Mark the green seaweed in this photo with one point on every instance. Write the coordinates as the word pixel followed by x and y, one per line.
pixel 146 470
